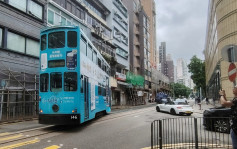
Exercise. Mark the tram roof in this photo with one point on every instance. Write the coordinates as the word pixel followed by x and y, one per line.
pixel 56 27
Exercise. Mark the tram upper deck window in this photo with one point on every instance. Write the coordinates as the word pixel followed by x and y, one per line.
pixel 56 82
pixel 43 42
pixel 72 39
pixel 70 81
pixel 44 82
pixel 56 40
pixel 83 44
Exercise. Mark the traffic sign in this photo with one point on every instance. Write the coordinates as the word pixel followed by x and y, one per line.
pixel 232 72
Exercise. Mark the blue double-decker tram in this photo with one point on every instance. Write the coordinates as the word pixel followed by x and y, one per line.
pixel 74 78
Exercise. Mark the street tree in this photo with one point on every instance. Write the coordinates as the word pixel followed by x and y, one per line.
pixel 197 70
pixel 181 90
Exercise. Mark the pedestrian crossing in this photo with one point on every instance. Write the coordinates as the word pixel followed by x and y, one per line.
pixel 19 140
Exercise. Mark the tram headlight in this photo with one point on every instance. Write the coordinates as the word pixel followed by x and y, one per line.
pixel 41 111
pixel 74 111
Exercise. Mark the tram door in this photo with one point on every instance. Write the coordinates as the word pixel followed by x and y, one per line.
pixel 86 96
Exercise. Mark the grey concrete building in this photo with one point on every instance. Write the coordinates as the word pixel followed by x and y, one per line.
pixel 162 58
pixel 20 26
pixel 170 67
pixel 118 22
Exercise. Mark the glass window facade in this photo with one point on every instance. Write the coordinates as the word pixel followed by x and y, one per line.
pixel 32 47
pixel 15 42
pixel 50 17
pixel 19 4
pixel 28 6
pixel 35 9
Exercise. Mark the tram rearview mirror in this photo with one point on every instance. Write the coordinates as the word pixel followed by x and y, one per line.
pixel 229 53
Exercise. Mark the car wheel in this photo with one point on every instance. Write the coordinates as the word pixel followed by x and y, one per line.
pixel 172 111
pixel 188 114
pixel 221 125
pixel 157 109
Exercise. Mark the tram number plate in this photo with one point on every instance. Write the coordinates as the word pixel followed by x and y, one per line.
pixel 74 117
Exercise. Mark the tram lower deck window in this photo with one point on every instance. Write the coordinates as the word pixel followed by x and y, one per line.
pixel 44 82
pixel 70 81
pixel 56 82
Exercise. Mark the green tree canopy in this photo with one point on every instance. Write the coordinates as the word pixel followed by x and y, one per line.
pixel 197 70
pixel 181 90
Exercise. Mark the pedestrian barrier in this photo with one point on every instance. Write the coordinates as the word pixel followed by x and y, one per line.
pixel 191 132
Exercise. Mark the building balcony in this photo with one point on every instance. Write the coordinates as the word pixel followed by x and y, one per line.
pixel 136 32
pixel 137 65
pixel 136 21
pixel 136 53
pixel 136 43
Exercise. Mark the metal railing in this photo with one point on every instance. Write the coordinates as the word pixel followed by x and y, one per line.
pixel 210 132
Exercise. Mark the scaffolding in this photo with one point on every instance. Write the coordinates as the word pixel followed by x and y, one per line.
pixel 18 95
pixel 137 82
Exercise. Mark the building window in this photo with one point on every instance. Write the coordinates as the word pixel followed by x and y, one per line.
pixel 57 19
pixel 0 37
pixel 32 47
pixel 19 4
pixel 50 17
pixel 35 9
pixel 15 42
pixel 28 6
pixel 69 7
pixel 63 21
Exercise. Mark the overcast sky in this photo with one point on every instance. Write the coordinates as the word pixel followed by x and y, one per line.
pixel 182 25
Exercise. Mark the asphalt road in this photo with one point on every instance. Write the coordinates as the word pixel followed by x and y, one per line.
pixel 129 129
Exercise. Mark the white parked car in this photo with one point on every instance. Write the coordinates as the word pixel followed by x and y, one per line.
pixel 175 107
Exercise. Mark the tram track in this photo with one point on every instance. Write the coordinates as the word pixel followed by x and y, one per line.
pixel 23 135
pixel 40 133
pixel 123 114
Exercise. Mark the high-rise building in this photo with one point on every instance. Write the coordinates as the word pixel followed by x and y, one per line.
pixel 150 9
pixel 118 22
pixel 162 58
pixel 221 35
pixel 139 40
pixel 170 67
pixel 182 72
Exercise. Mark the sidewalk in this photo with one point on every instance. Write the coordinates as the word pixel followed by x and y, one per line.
pixel 124 107
pixel 204 106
